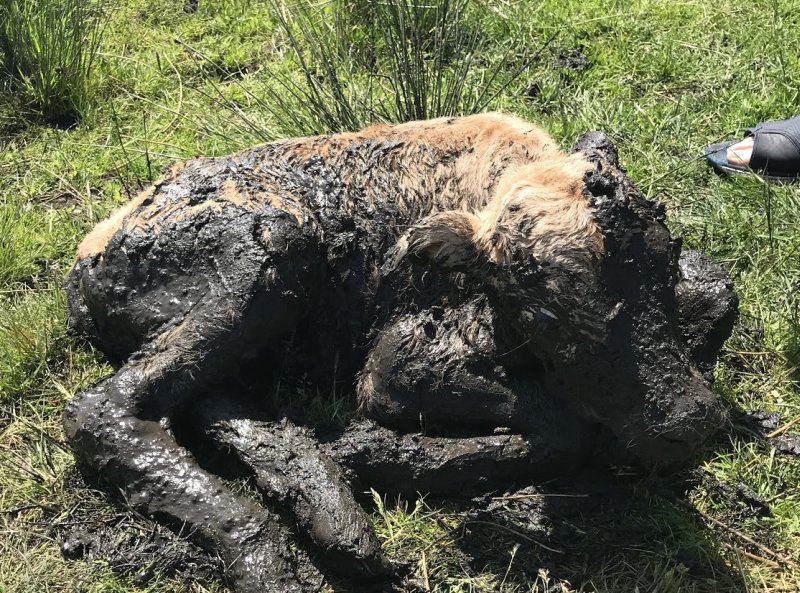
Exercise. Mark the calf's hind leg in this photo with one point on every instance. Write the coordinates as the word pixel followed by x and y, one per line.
pixel 115 431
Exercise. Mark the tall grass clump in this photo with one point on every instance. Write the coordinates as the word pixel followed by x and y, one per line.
pixel 49 49
pixel 357 62
pixel 432 56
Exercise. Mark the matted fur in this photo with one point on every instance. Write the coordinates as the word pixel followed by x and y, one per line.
pixel 505 172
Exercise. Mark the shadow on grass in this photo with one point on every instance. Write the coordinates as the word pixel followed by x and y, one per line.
pixel 597 533
pixel 611 529
pixel 605 530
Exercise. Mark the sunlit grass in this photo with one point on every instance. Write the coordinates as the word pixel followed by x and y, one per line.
pixel 664 80
pixel 49 48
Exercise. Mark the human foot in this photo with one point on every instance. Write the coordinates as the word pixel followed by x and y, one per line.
pixel 740 153
pixel 770 148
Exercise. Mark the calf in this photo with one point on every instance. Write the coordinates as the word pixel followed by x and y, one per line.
pixel 463 274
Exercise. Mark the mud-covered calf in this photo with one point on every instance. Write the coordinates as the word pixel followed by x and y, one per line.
pixel 462 275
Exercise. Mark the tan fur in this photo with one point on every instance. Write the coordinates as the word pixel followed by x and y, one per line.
pixel 492 136
pixel 512 177
pixel 285 204
pixel 95 242
pixel 547 200
pixel 230 193
pixel 471 182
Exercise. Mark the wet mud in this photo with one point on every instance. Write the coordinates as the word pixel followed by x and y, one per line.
pixel 788 444
pixel 292 471
pixel 768 428
pixel 572 59
pixel 740 500
pixel 707 307
pixel 161 480
pixel 501 311
pixel 129 544
pixel 140 555
pixel 410 464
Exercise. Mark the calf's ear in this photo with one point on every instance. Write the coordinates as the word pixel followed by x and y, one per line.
pixel 446 240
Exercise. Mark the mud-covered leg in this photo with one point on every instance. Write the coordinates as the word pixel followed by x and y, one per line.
pixel 294 469
pixel 413 463
pixel 443 370
pixel 293 472
pixel 161 480
pixel 117 436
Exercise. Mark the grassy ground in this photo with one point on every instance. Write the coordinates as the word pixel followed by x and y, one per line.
pixel 663 77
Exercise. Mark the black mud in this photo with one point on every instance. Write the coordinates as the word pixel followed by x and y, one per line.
pixel 787 443
pixel 293 472
pixel 130 544
pixel 768 429
pixel 707 307
pixel 444 466
pixel 270 266
pixel 160 479
pixel 572 59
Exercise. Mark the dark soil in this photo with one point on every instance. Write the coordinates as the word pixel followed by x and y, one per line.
pixel 788 444
pixel 571 59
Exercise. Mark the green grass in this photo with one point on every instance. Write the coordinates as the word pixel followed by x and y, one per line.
pixel 666 79
pixel 49 48
pixel 393 61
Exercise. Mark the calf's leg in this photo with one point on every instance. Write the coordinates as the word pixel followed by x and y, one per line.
pixel 255 292
pixel 442 370
pixel 293 472
pixel 115 431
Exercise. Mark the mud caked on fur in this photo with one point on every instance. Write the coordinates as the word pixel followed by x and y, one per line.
pixel 463 275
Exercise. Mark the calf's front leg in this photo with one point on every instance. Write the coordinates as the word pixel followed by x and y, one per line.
pixel 161 480
pixel 293 472
pixel 115 431
pixel 441 371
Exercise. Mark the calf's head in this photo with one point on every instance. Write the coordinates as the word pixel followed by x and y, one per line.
pixel 582 271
